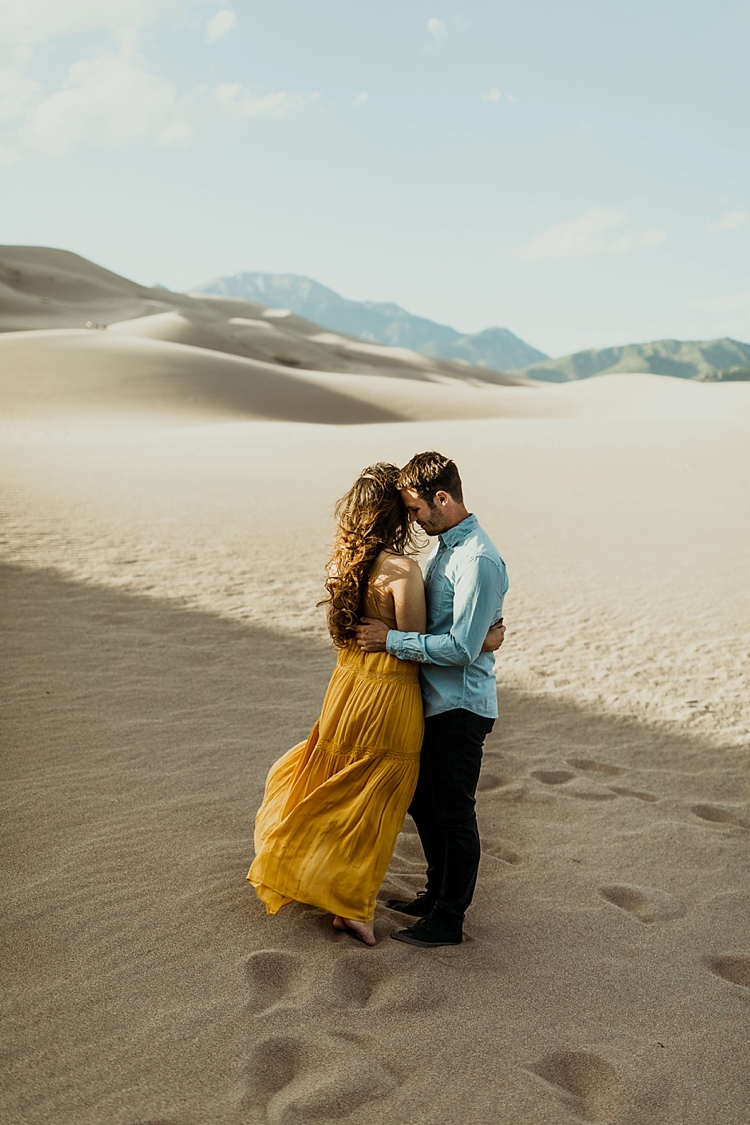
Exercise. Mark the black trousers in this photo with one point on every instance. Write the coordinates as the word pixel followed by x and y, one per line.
pixel 443 808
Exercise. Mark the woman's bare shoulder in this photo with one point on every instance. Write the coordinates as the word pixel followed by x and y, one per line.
pixel 399 566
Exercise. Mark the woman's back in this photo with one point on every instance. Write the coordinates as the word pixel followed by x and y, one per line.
pixel 395 593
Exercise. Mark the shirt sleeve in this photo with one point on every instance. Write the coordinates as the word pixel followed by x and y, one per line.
pixel 477 603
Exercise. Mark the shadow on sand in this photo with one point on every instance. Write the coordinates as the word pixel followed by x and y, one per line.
pixel 145 981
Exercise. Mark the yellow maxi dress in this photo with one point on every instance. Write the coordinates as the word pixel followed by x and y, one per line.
pixel 334 805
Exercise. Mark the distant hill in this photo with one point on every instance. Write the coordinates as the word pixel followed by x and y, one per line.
pixel 731 375
pixel 686 359
pixel 496 348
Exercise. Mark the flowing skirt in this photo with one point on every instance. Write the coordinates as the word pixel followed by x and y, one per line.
pixel 334 805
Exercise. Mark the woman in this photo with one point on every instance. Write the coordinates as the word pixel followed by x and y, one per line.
pixel 334 805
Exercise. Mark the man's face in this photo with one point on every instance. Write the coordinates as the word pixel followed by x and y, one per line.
pixel 429 516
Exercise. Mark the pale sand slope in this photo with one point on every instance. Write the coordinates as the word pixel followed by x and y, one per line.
pixel 60 376
pixel 46 289
pixel 162 649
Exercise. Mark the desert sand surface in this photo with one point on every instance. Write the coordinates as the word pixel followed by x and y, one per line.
pixel 166 518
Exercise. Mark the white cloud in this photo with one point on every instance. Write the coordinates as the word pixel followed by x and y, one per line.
pixel 492 95
pixel 114 100
pixel 110 99
pixel 113 97
pixel 733 220
pixel 237 102
pixel 437 28
pixel 9 153
pixel 220 24
pixel 26 22
pixel 512 98
pixel 361 99
pixel 17 94
pixel 593 234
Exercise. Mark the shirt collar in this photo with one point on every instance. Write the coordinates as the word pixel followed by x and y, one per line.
pixel 455 535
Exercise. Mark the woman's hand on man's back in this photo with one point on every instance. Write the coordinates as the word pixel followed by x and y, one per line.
pixel 495 637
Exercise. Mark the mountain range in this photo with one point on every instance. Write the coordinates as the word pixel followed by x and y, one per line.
pixel 494 348
pixel 382 323
pixel 707 360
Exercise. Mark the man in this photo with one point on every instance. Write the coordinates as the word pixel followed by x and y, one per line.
pixel 465 583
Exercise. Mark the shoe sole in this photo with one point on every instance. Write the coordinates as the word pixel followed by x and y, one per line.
pixel 407 939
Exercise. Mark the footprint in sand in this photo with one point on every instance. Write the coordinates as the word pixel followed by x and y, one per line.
pixel 490 782
pixel 498 850
pixel 639 794
pixel 358 983
pixel 553 777
pixel 354 982
pixel 587 1085
pixel 733 967
pixel 582 793
pixel 588 765
pixel 715 815
pixel 647 904
pixel 271 974
pixel 294 1081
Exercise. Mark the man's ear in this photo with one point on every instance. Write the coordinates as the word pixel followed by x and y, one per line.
pixel 442 498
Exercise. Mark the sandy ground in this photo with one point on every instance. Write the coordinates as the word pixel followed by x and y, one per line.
pixel 161 648
pixel 626 541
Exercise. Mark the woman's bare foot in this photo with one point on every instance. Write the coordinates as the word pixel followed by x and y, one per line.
pixel 363 930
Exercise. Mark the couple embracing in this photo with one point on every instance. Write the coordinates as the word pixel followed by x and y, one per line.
pixel 405 716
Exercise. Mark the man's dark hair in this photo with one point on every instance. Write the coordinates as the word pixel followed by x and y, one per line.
pixel 428 473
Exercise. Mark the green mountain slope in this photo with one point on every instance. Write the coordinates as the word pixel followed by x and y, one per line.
pixel 686 359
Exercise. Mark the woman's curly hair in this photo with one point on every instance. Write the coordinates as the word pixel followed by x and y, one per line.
pixel 371 518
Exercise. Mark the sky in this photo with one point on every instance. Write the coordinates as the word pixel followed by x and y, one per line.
pixel 577 171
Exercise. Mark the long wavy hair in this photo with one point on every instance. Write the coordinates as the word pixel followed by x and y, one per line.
pixel 370 518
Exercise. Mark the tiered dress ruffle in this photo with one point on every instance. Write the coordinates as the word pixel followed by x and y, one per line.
pixel 334 805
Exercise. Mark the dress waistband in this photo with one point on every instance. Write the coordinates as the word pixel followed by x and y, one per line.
pixel 376 665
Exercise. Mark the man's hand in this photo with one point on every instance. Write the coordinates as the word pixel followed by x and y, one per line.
pixel 371 635
pixel 494 638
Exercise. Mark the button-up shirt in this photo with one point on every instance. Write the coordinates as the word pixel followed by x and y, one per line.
pixel 465 583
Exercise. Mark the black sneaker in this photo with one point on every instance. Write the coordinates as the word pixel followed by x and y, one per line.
pixel 419 907
pixel 430 933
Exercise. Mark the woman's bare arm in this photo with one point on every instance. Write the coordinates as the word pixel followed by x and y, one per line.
pixel 402 579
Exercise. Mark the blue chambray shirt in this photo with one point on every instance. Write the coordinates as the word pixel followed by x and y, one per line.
pixel 465 584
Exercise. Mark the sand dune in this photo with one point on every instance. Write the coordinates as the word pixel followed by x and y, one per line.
pixel 64 374
pixel 167 501
pixel 44 288
pixel 656 397
pixel 68 375
pixel 150 369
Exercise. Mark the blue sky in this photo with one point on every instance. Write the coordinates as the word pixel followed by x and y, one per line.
pixel 575 170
